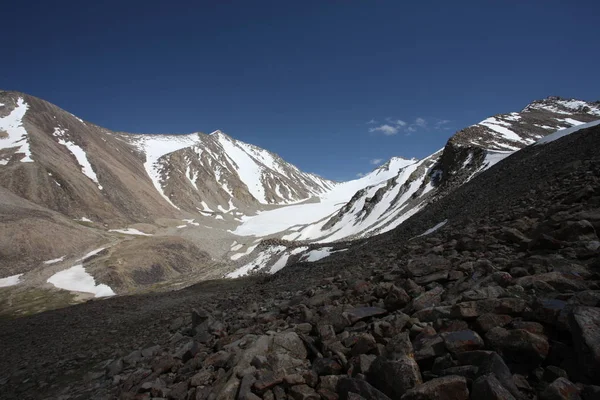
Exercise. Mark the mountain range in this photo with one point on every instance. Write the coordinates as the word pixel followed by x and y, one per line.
pixel 84 208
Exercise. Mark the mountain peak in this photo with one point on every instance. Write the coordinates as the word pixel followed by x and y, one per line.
pixel 560 105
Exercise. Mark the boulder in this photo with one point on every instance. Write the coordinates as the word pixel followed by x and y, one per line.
pixel 445 388
pixel 561 389
pixel 461 341
pixel 488 387
pixel 348 385
pixel 585 330
pixel 519 345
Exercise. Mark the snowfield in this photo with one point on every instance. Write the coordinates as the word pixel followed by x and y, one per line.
pixel 130 231
pixel 12 124
pixel 77 279
pixel 564 132
pixel 10 280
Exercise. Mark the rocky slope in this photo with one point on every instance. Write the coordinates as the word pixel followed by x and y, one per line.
pixel 58 161
pixel 502 302
pixel 381 205
pixel 99 180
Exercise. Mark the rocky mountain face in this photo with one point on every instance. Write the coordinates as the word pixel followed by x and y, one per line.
pixel 104 179
pixel 58 161
pixel 500 302
pixel 381 205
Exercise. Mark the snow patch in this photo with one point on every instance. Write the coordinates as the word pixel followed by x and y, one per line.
pixel 54 261
pixel 10 280
pixel 81 157
pixel 77 279
pixel 435 228
pixel 564 132
pixel 12 124
pixel 130 231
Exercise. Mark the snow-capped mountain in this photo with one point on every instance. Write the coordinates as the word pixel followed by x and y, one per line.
pixel 56 160
pixel 234 207
pixel 211 173
pixel 383 204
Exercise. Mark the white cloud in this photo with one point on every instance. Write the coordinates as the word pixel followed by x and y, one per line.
pixel 371 122
pixel 376 161
pixel 411 129
pixel 440 124
pixel 420 122
pixel 386 129
pixel 360 175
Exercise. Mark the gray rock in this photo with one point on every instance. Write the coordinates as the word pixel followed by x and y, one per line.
pixel 348 385
pixel 445 388
pixel 519 345
pixel 428 299
pixel 303 392
pixel 394 377
pixel 358 314
pixel 561 389
pixel 585 329
pixel 489 388
pixel 462 341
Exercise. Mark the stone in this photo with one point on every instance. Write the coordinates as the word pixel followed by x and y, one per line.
pixel 360 313
pixel 396 298
pixel 178 391
pixel 150 351
pixel 364 362
pixel 427 265
pixel 133 358
pixel 529 326
pixel 114 368
pixel 590 392
pixel 245 390
pixel 329 382
pixel 348 385
pixel 290 343
pixel 429 347
pixel 394 377
pixel 473 309
pixel 428 299
pixel 552 372
pixel 364 344
pixel 327 366
pixel 427 279
pixel 488 387
pixel 327 394
pixel 559 281
pixel 561 389
pixel 492 363
pixel 502 278
pixel 303 392
pixel 584 323
pixel 202 378
pixel 485 322
pixel 187 351
pixel 515 236
pixel 326 332
pixel 461 341
pixel 444 388
pixel 519 345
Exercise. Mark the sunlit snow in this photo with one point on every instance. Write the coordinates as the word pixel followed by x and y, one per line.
pixel 564 132
pixel 12 124
pixel 130 231
pixel 77 279
pixel 435 228
pixel 10 280
pixel 54 261
pixel 82 159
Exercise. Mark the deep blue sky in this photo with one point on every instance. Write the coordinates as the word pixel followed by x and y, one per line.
pixel 302 78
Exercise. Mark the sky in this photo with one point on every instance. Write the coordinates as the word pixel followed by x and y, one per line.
pixel 334 87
